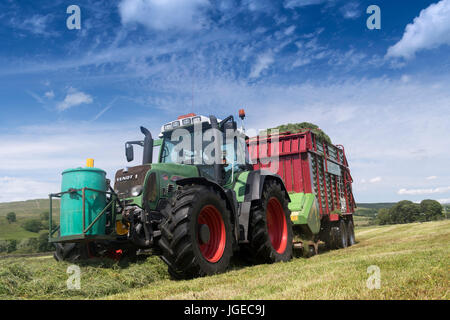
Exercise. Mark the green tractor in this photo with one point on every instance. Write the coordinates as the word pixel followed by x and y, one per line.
pixel 196 206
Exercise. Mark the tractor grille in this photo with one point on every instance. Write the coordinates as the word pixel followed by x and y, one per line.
pixel 126 180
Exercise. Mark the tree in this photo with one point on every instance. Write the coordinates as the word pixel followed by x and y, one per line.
pixel 44 216
pixel 405 212
pixel 33 225
pixel 383 216
pixel 43 244
pixel 12 246
pixel 431 209
pixel 11 217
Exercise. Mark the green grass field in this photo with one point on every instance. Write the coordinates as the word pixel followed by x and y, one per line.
pixel 414 262
pixel 24 210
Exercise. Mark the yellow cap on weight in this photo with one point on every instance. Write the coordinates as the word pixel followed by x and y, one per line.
pixel 90 163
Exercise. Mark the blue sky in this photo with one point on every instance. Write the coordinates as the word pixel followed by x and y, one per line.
pixel 67 95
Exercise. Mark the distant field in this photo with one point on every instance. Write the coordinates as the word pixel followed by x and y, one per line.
pixel 377 205
pixel 24 210
pixel 413 261
pixel 27 209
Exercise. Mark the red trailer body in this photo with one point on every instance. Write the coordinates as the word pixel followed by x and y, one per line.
pixel 307 166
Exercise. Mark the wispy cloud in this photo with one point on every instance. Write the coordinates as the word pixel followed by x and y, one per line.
pixel 424 191
pixel 290 4
pixel 36 24
pixel 375 180
pixel 262 63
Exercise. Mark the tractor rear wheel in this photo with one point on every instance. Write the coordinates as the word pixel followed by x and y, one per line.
pixel 270 231
pixel 196 236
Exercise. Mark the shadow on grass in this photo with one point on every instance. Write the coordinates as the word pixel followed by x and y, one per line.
pixel 109 263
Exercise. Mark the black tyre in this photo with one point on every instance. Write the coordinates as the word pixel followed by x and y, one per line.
pixel 196 237
pixel 342 237
pixel 270 231
pixel 350 233
pixel 72 252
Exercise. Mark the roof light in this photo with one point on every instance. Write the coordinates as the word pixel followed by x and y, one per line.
pixel 175 124
pixel 242 114
pixel 167 126
pixel 196 119
pixel 187 116
pixel 186 121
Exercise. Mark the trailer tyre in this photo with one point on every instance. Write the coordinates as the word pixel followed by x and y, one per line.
pixel 350 233
pixel 270 231
pixel 342 236
pixel 196 236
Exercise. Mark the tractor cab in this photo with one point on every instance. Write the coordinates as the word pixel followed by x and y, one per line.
pixel 216 147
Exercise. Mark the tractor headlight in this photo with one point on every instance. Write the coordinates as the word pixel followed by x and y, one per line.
pixel 136 191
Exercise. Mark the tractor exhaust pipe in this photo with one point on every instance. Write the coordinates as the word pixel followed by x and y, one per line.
pixel 148 146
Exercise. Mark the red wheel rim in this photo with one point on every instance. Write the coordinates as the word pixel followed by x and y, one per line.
pixel 214 248
pixel 276 225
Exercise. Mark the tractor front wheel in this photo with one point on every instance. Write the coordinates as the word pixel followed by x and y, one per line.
pixel 196 236
pixel 270 231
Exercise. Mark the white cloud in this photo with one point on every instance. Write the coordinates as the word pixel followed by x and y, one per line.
pixel 405 78
pixel 262 63
pixel 288 31
pixel 431 178
pixel 351 10
pixel 429 30
pixel 74 98
pixel 163 15
pixel 19 189
pixel 375 180
pixel 444 201
pixel 50 94
pixel 424 191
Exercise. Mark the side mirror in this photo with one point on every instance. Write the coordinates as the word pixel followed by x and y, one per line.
pixel 129 152
pixel 231 125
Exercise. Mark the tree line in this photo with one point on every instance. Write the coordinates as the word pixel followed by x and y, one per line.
pixel 407 211
pixel 29 245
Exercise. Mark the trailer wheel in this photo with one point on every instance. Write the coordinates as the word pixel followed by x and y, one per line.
pixel 350 233
pixel 196 237
pixel 342 236
pixel 270 231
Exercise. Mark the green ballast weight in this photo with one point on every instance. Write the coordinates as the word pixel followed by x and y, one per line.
pixel 71 217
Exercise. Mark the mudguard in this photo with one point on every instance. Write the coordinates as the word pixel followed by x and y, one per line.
pixel 253 192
